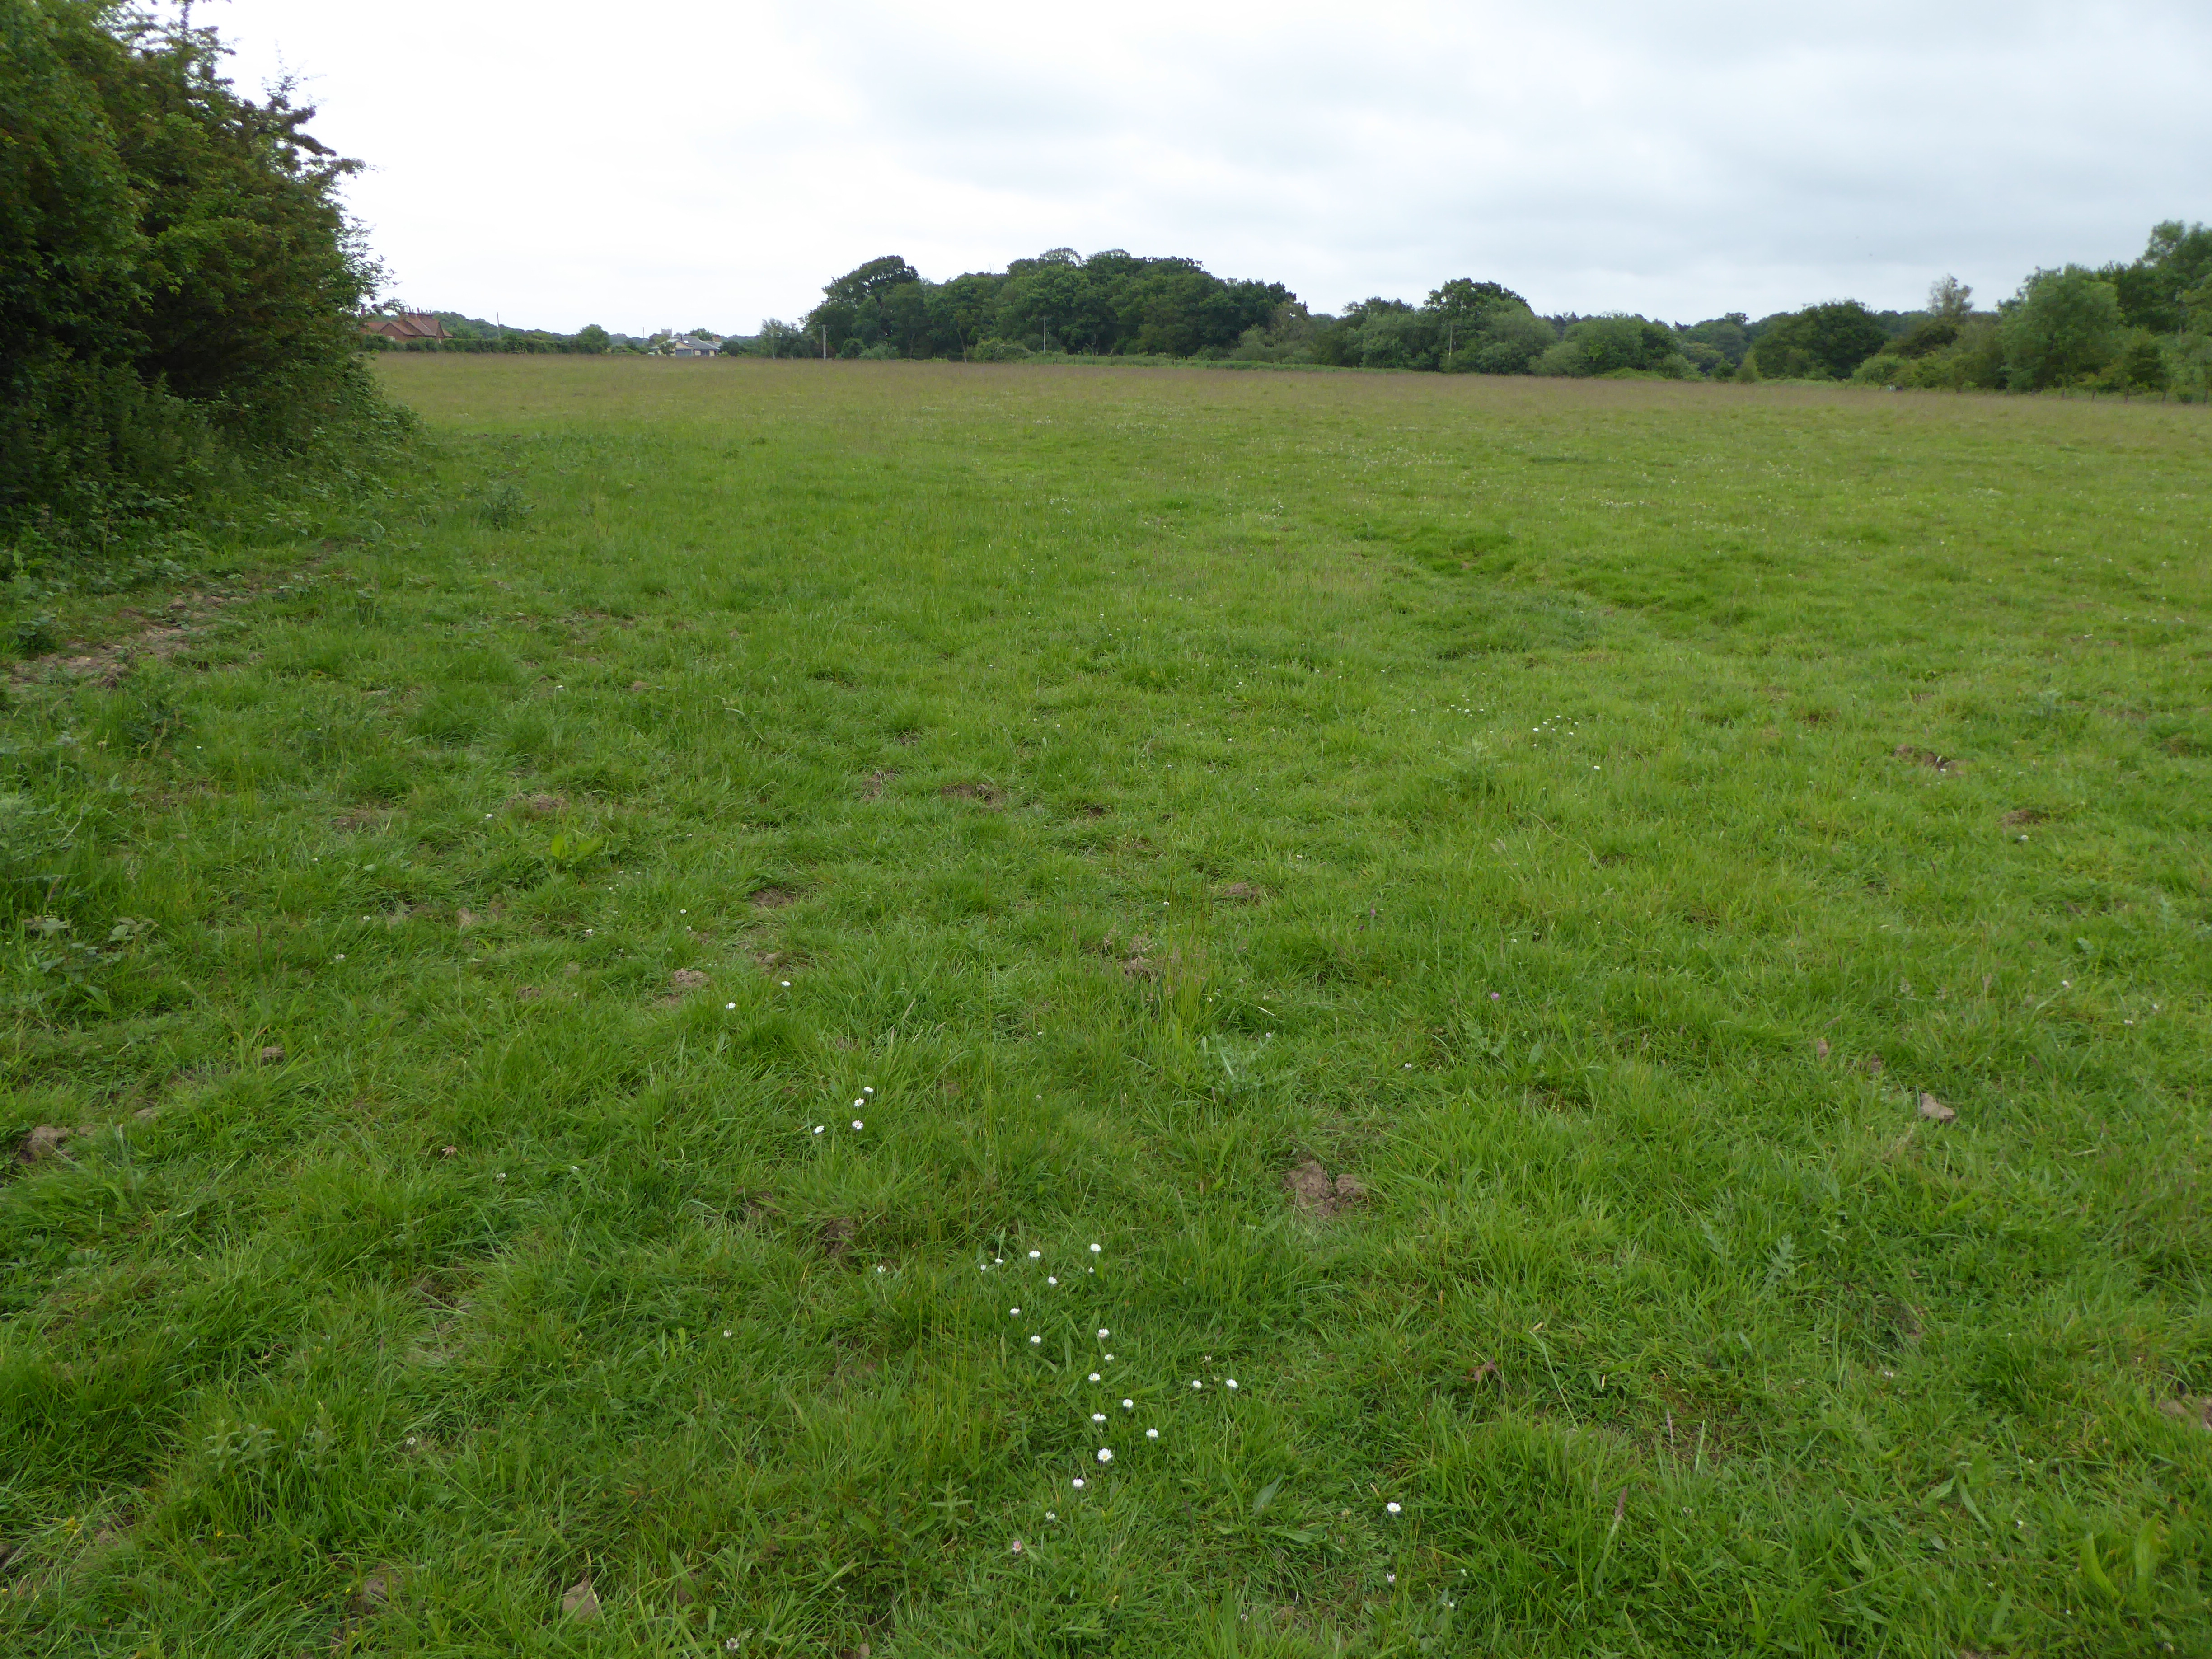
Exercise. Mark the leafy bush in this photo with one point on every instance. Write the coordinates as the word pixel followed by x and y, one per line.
pixel 1603 345
pixel 2063 326
pixel 177 282
pixel 1820 343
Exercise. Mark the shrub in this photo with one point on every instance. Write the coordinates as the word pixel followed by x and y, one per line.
pixel 177 282
pixel 1601 345
pixel 2063 327
pixel 1822 342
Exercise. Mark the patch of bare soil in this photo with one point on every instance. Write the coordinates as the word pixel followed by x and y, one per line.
pixel 1927 758
pixel 772 898
pixel 2195 1413
pixel 42 1143
pixel 159 638
pixel 540 805
pixel 835 1235
pixel 983 792
pixel 1313 1193
pixel 2021 814
pixel 872 789
pixel 682 981
pixel 1242 892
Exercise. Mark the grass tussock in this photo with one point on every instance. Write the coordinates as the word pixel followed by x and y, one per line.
pixel 545 1048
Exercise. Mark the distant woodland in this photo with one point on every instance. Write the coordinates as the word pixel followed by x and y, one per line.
pixel 2145 325
pixel 2142 325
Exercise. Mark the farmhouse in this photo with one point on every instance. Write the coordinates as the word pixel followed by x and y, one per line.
pixel 407 327
pixel 694 346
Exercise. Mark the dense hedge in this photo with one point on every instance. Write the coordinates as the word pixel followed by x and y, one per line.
pixel 177 282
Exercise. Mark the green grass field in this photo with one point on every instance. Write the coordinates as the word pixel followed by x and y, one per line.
pixel 1438 899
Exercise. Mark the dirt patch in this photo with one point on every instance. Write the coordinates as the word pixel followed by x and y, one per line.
pixel 2197 1413
pixel 872 789
pixel 983 792
pixel 836 1235
pixel 687 978
pixel 362 817
pixel 528 994
pixel 541 806
pixel 773 898
pixel 1927 758
pixel 272 1054
pixel 1092 809
pixel 1242 892
pixel 108 664
pixel 42 1143
pixel 2021 814
pixel 1313 1192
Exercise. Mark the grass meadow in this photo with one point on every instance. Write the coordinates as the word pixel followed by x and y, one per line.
pixel 1629 960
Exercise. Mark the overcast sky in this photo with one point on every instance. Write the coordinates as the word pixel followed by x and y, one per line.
pixel 682 163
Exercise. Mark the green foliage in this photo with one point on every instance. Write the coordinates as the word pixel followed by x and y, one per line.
pixel 1822 342
pixel 1616 344
pixel 177 280
pixel 1147 785
pixel 2062 327
pixel 2155 291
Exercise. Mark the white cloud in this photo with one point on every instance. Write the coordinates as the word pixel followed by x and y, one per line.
pixel 680 162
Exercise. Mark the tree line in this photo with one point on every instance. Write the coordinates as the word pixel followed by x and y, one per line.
pixel 2146 325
